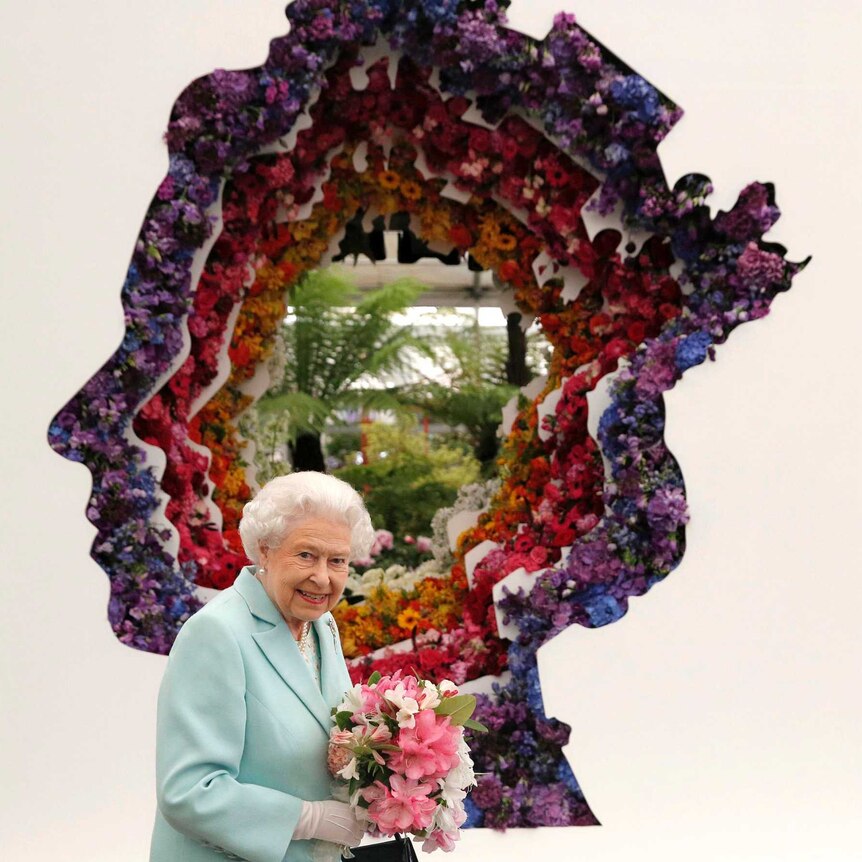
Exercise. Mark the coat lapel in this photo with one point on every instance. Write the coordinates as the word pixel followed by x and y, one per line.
pixel 279 647
pixel 334 678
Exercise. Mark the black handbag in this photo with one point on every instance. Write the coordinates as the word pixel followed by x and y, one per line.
pixel 400 849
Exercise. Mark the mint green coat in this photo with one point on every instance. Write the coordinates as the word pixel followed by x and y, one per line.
pixel 242 733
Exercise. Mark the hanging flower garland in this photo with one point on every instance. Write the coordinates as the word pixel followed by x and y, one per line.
pixel 624 536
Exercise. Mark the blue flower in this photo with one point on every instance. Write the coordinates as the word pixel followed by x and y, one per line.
pixel 636 94
pixel 603 610
pixel 692 350
pixel 567 777
pixel 475 816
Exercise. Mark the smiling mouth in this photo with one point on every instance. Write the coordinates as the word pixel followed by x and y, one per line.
pixel 314 598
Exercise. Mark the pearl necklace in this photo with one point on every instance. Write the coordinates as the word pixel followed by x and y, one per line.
pixel 304 640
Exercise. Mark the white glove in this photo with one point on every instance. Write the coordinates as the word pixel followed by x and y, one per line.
pixel 329 820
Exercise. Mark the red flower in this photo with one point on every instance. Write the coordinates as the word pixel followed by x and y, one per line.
pixel 460 236
pixel 636 331
pixel 509 149
pixel 508 270
pixel 287 270
pixel 616 347
pixel 480 140
pixel 239 354
pixel 599 324
pixel 331 201
pixel 457 106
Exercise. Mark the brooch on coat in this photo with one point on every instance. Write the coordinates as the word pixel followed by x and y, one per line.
pixel 334 629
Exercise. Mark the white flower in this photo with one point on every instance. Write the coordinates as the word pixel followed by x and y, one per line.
pixel 447 687
pixel 461 776
pixel 352 701
pixel 448 819
pixel 407 706
pixel 372 577
pixel 349 771
pixel 429 698
pixel 450 792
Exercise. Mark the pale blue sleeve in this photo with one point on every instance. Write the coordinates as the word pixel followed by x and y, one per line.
pixel 199 744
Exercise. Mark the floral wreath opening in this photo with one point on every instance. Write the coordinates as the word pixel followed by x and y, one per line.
pixel 539 159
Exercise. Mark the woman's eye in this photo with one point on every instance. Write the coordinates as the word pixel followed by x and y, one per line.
pixel 338 562
pixel 305 555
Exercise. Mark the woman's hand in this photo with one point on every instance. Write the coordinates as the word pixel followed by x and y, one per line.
pixel 329 820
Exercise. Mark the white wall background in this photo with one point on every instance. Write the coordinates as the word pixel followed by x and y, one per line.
pixel 720 719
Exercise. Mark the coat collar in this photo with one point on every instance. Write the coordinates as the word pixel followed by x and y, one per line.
pixel 280 649
pixel 259 603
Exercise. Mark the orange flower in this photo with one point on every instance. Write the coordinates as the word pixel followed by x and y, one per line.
pixel 412 191
pixel 505 242
pixel 389 180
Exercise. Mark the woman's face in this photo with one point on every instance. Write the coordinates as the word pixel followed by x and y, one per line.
pixel 305 575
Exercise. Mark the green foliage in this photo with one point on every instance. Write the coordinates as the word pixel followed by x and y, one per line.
pixel 336 339
pixel 459 708
pixel 474 362
pixel 408 477
pixel 344 445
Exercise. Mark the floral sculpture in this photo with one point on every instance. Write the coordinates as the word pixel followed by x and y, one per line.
pixel 496 144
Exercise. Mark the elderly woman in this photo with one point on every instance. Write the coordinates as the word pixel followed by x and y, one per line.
pixel 244 707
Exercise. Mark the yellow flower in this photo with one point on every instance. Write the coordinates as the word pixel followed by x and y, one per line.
pixel 409 618
pixel 302 230
pixel 390 180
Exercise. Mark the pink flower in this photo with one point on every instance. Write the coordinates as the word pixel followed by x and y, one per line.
pixel 439 839
pixel 407 686
pixel 371 702
pixel 378 735
pixel 385 539
pixel 427 750
pixel 403 806
pixel 340 737
pixel 423 544
pixel 337 758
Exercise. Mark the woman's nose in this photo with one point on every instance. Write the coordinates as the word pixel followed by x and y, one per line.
pixel 320 572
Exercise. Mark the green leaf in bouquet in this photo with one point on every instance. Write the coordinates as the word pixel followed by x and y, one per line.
pixel 374 678
pixel 342 719
pixel 459 708
pixel 475 725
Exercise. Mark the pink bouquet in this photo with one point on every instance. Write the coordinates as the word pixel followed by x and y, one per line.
pixel 398 744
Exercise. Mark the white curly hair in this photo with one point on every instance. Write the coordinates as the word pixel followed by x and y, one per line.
pixel 286 500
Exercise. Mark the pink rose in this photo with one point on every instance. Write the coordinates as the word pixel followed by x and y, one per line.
pixel 423 544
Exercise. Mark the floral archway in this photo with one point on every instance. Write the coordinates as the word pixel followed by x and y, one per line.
pixel 497 153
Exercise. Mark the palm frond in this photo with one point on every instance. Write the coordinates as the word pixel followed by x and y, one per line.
pixel 304 412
